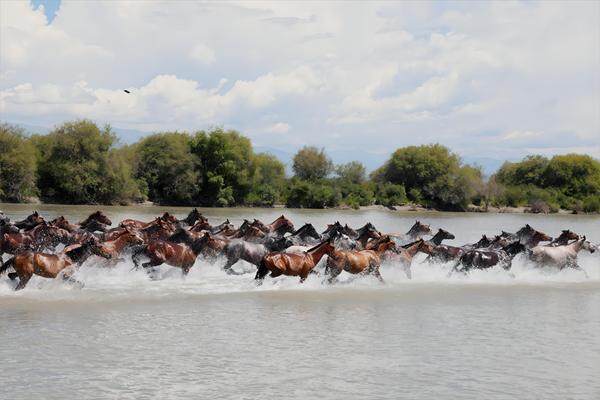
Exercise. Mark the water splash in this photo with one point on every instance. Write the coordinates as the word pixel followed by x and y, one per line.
pixel 123 281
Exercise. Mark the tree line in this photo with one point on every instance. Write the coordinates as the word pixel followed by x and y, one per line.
pixel 81 163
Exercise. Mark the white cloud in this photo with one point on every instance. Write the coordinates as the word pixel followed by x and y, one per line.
pixel 279 127
pixel 202 54
pixel 358 77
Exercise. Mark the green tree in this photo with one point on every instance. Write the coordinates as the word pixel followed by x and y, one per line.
pixel 17 165
pixel 430 173
pixel 166 167
pixel 352 172
pixel 225 163
pixel 76 165
pixel 311 164
pixel 268 179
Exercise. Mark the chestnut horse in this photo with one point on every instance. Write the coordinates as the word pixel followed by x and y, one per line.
pixel 31 263
pixel 293 264
pixel 362 262
pixel 179 255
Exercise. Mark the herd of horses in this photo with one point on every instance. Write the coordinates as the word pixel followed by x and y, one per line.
pixel 58 247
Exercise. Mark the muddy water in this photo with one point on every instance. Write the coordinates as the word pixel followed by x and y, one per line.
pixel 530 335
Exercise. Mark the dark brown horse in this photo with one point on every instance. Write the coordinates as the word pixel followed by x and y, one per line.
pixel 488 258
pixel 30 222
pixel 564 238
pixel 280 226
pixel 174 254
pixel 31 263
pixel 416 232
pixel 440 236
pixel 293 264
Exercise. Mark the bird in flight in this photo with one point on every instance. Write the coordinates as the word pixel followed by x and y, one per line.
pixel 126 91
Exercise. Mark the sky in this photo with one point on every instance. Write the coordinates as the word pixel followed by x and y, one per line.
pixel 490 80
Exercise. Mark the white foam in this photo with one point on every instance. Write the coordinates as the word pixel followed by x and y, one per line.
pixel 123 281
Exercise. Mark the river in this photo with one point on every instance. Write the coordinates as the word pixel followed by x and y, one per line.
pixel 529 334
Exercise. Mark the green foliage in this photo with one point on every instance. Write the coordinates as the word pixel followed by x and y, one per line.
pixel 224 160
pixel 304 194
pixel 17 165
pixel 563 181
pixel 432 175
pixel 352 172
pixel 77 165
pixel 389 194
pixel 591 204
pixel 311 164
pixel 166 168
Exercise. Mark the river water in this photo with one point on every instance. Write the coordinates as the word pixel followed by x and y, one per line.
pixel 532 334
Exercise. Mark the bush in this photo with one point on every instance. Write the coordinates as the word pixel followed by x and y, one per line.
pixel 303 194
pixel 77 165
pixel 390 195
pixel 591 204
pixel 17 165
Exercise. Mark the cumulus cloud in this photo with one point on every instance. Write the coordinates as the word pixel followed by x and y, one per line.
pixel 479 77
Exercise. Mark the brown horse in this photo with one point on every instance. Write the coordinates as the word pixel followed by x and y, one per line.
pixel 293 264
pixel 179 255
pixel 280 226
pixel 136 224
pixel 31 263
pixel 440 236
pixel 416 231
pixel 564 238
pixel 362 262
pixel 30 222
pixel 116 247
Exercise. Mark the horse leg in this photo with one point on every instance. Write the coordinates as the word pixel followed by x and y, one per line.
pixel 135 257
pixel 333 274
pixel 23 279
pixel 186 269
pixel 375 271
pixel 576 267
pixel 12 276
pixel 261 272
pixel 230 262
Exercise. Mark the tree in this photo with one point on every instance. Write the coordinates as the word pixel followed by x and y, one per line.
pixel 17 165
pixel 268 179
pixel 224 162
pixel 352 172
pixel 430 174
pixel 166 166
pixel 311 164
pixel 76 165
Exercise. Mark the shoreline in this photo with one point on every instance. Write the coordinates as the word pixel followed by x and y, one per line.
pixel 406 208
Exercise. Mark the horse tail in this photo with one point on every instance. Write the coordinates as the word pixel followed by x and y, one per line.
pixel 6 265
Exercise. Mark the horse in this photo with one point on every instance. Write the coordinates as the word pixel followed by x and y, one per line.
pixel 63 223
pixel 307 234
pixel 416 232
pixel 31 263
pixel 192 218
pixel 363 238
pixel 531 237
pixel 488 258
pixel 293 264
pixel 252 252
pixel 367 226
pixel 137 224
pixel 565 236
pixel 481 243
pixel 440 236
pixel 30 222
pixel 179 255
pixel 96 221
pixel 280 226
pixel 126 240
pixel 362 262
pixel 160 229
pixel 560 256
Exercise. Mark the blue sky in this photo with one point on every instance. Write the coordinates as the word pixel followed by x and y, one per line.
pixel 491 80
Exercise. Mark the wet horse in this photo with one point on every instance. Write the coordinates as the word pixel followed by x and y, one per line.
pixel 293 264
pixel 488 258
pixel 560 256
pixel 364 262
pixel 30 222
pixel 440 236
pixel 31 263
pixel 416 232
pixel 160 252
pixel 252 253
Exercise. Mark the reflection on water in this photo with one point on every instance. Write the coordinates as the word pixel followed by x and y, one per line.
pixel 489 335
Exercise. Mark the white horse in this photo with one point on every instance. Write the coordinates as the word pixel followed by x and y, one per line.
pixel 560 256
